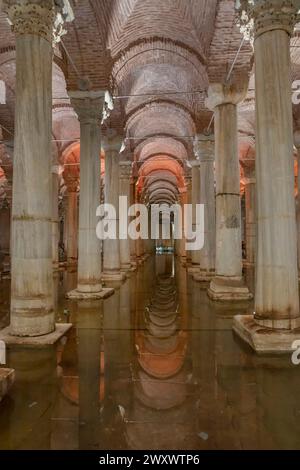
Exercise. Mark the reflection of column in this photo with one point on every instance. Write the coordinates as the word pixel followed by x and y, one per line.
pixel 228 283
pixel 250 228
pixel 71 220
pixel 37 374
pixel 31 287
pixel 125 174
pixel 89 350
pixel 111 255
pixel 206 154
pixel 276 293
pixel 89 108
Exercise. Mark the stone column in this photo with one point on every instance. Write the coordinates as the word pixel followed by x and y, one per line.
pixel 55 215
pixel 89 108
pixel 182 241
pixel 133 255
pixel 207 256
pixel 250 203
pixel 228 283
pixel 195 254
pixel 32 312
pixel 111 255
pixel 71 220
pixel 124 190
pixel 276 293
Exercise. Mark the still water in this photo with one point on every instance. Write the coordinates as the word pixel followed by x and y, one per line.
pixel 155 366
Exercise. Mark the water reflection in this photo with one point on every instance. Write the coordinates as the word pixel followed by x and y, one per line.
pixel 155 366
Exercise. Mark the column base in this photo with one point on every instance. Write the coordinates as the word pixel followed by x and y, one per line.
pixel 78 295
pixel 264 340
pixel 61 329
pixel 226 288
pixel 7 378
pixel 113 276
pixel 193 269
pixel 204 276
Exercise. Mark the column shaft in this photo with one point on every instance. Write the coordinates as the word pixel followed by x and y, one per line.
pixel 31 274
pixel 276 298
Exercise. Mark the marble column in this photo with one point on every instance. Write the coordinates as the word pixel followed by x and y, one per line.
pixel 195 254
pixel 205 150
pixel 89 108
pixel 250 203
pixel 133 255
pixel 276 293
pixel 71 220
pixel 32 312
pixel 228 283
pixel 182 241
pixel 124 190
pixel 55 215
pixel 111 256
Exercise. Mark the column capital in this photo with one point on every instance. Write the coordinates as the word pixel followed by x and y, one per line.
pixel 194 163
pixel 88 105
pixel 125 170
pixel 260 16
pixel 112 141
pixel 220 94
pixel 204 148
pixel 44 18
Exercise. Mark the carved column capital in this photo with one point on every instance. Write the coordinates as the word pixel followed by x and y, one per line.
pixel 260 16
pixel 204 147
pixel 220 94
pixel 112 142
pixel 44 18
pixel 125 170
pixel 88 105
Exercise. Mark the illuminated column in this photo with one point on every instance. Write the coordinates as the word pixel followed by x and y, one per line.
pixel 228 283
pixel 182 241
pixel 205 149
pixel 124 186
pixel 297 145
pixel 111 256
pixel 195 254
pixel 32 312
pixel 250 182
pixel 71 219
pixel 133 255
pixel 276 292
pixel 89 107
pixel 55 216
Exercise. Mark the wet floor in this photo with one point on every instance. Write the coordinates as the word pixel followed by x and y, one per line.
pixel 155 366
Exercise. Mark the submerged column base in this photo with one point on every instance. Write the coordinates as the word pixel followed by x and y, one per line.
pixel 77 294
pixel 228 288
pixel 266 340
pixel 49 339
pixel 204 276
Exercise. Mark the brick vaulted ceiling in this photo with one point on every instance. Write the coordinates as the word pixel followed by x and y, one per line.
pixel 157 57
